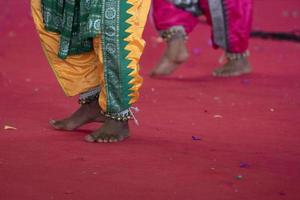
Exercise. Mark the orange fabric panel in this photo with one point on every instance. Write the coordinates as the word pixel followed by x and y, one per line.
pixel 77 73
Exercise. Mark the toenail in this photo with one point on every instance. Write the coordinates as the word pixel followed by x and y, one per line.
pixel 89 138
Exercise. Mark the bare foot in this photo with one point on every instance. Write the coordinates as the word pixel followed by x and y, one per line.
pixel 175 54
pixel 87 113
pixel 111 131
pixel 233 68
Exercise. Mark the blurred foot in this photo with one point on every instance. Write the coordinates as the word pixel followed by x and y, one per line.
pixel 175 54
pixel 234 67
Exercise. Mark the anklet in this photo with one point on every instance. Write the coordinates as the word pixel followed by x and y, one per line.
pixel 174 32
pixel 121 116
pixel 237 56
pixel 89 96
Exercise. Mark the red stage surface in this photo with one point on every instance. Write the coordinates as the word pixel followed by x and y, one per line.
pixel 249 126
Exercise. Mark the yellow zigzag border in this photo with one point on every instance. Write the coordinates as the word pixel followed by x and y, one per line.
pixel 139 13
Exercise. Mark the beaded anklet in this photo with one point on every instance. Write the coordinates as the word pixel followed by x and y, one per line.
pixel 89 96
pixel 237 56
pixel 174 32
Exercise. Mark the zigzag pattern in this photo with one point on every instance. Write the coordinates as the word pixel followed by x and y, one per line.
pixel 133 46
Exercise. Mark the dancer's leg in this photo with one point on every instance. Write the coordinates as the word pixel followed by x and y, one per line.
pixel 77 75
pixel 231 23
pixel 119 50
pixel 174 24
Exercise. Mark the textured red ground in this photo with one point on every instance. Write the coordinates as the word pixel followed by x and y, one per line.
pixel 260 123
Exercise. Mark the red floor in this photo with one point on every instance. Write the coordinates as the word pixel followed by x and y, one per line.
pixel 252 120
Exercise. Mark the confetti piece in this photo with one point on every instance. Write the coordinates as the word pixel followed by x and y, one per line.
pixel 239 177
pixel 245 81
pixel 218 116
pixel 197 138
pixel 244 165
pixel 7 127
pixel 272 109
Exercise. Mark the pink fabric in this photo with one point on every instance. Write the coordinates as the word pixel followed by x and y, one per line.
pixel 167 15
pixel 238 19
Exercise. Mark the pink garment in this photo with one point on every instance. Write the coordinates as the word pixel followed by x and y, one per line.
pixel 237 21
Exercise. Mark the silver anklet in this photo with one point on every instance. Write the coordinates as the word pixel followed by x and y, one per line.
pixel 121 116
pixel 89 96
pixel 174 32
pixel 237 56
pixel 124 115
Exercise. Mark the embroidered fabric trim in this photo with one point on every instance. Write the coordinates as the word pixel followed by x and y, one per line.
pixel 218 22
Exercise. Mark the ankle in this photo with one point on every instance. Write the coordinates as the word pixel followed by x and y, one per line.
pixel 89 96
pixel 174 33
pixel 237 56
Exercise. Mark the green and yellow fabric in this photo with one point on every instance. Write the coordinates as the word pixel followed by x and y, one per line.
pixel 94 42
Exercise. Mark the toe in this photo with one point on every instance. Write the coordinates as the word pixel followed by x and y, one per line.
pixel 113 140
pixel 90 138
pixel 55 124
pixel 106 138
pixel 100 141
pixel 101 138
pixel 52 121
